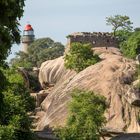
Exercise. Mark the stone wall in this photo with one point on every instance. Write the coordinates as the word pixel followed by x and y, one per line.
pixel 96 39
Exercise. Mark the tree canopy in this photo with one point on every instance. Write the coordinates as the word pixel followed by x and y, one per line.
pixel 137 29
pixel 131 47
pixel 119 22
pixel 14 121
pixel 40 50
pixel 10 13
pixel 86 117
pixel 15 101
pixel 80 56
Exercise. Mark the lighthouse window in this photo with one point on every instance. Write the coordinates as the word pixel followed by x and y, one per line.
pixel 28 33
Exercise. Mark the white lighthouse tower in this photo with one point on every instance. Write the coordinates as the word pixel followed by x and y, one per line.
pixel 27 38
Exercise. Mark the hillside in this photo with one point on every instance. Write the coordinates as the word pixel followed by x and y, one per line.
pixel 113 77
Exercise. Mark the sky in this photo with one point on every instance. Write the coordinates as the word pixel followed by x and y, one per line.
pixel 58 18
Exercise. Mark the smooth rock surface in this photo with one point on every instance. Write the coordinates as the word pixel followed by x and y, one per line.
pixel 111 78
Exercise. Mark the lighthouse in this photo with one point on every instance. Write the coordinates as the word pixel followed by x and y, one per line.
pixel 27 38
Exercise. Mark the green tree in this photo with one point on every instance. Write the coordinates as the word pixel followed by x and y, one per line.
pixel 16 103
pixel 14 121
pixel 86 117
pixel 131 47
pixel 10 13
pixel 9 32
pixel 119 22
pixel 122 35
pixel 21 60
pixel 40 50
pixel 17 86
pixel 80 56
pixel 137 29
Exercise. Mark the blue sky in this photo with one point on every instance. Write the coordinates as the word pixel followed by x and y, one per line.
pixel 58 18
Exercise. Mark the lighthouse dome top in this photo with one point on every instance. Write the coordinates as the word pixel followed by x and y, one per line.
pixel 28 27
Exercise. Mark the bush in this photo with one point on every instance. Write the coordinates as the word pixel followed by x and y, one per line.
pixel 86 117
pixel 80 56
pixel 131 47
pixel 14 121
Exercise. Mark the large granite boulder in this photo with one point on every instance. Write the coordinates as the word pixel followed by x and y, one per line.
pixel 52 71
pixel 112 78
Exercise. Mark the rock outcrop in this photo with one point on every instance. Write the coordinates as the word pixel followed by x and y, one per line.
pixel 112 78
pixel 52 71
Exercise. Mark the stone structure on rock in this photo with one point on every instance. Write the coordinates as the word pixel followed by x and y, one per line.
pixel 27 38
pixel 96 39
